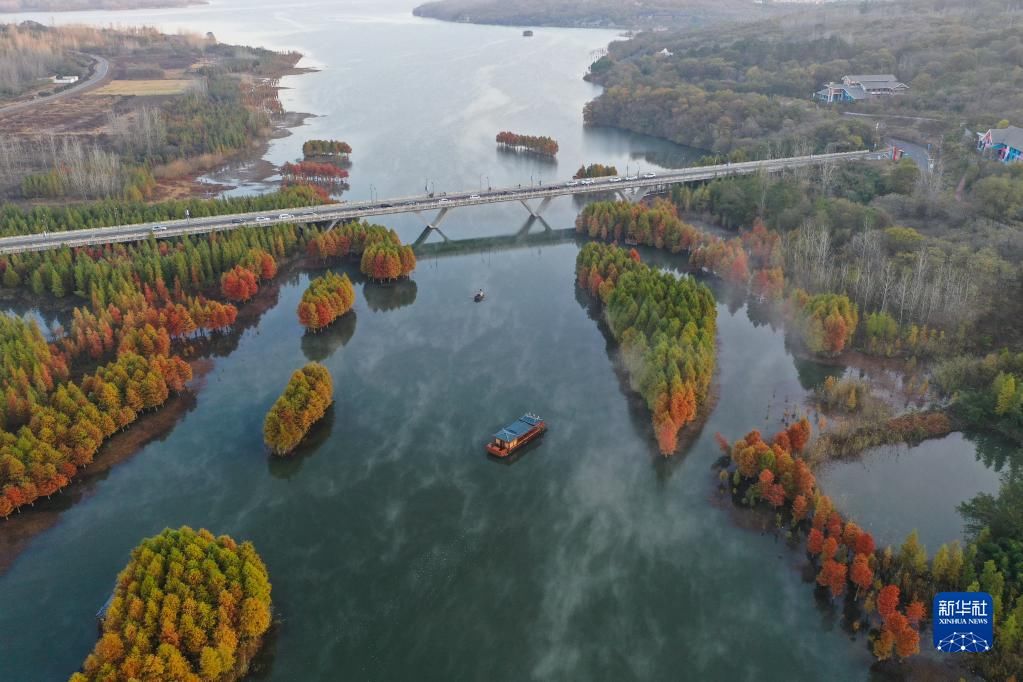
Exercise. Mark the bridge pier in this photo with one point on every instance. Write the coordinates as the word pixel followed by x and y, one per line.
pixel 437 219
pixel 539 209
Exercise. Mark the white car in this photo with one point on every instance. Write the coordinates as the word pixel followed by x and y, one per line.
pixel 442 200
pixel 649 175
pixel 571 183
pixel 261 219
pixel 615 180
pixel 587 181
pixel 159 228
pixel 285 216
pixel 474 196
pixel 632 177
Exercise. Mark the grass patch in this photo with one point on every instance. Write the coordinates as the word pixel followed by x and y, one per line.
pixel 143 88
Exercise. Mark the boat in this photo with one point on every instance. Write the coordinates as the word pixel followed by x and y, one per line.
pixel 512 437
pixel 479 296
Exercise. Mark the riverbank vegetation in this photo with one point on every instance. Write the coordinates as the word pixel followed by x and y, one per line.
pixel 886 590
pixel 305 400
pixel 120 355
pixel 327 298
pixel 665 326
pixel 538 144
pixel 313 171
pixel 188 606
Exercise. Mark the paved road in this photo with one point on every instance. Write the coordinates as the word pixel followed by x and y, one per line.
pixel 99 74
pixel 916 152
pixel 632 187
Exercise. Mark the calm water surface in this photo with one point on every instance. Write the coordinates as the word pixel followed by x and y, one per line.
pixel 397 550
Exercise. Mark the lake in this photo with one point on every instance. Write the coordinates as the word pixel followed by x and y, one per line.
pixel 396 548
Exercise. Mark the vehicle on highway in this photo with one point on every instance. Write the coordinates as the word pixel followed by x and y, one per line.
pixel 308 214
pixel 587 181
pixel 632 177
pixel 159 228
pixel 237 220
pixel 474 196
pixel 285 216
pixel 571 183
pixel 649 175
pixel 442 200
pixel 386 205
pixel 614 179
pixel 261 219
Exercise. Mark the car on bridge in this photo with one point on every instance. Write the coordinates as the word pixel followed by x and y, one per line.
pixel 474 196
pixel 614 180
pixel 632 177
pixel 237 220
pixel 649 175
pixel 571 183
pixel 587 181
pixel 285 216
pixel 261 219
pixel 159 228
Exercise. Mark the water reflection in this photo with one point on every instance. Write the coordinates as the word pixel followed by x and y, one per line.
pixel 286 467
pixel 381 296
pixel 321 345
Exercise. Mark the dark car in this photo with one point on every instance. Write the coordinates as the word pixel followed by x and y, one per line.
pixel 237 220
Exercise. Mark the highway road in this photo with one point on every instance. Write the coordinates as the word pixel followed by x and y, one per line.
pixel 99 74
pixel 630 187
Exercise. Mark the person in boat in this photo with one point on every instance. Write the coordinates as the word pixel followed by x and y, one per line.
pixel 479 295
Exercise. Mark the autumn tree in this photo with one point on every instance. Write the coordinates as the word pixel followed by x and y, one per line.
pixel 304 402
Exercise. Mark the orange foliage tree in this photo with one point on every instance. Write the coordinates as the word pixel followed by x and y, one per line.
pixel 324 300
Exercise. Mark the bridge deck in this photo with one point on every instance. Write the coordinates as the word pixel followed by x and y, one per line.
pixel 408 204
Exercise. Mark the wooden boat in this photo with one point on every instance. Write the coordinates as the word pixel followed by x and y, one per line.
pixel 479 296
pixel 512 437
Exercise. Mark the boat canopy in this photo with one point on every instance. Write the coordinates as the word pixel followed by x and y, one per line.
pixel 518 428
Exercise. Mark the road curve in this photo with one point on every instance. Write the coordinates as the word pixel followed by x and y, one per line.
pixel 99 74
pixel 421 203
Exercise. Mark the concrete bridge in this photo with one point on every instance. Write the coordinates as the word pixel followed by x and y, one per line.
pixel 631 188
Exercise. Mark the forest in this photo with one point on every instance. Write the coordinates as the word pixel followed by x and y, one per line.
pixel 537 144
pixel 188 606
pixel 748 90
pixel 144 305
pixel 887 591
pixel 327 298
pixel 666 327
pixel 305 400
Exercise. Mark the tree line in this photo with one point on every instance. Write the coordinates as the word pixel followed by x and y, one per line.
pixel 312 148
pixel 751 260
pixel 666 327
pixel 312 171
pixel 595 170
pixel 381 254
pixel 539 144
pixel 327 298
pixel 188 606
pixel 305 400
pixel 17 220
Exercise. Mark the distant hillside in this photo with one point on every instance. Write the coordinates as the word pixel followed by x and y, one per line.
pixel 77 5
pixel 592 13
